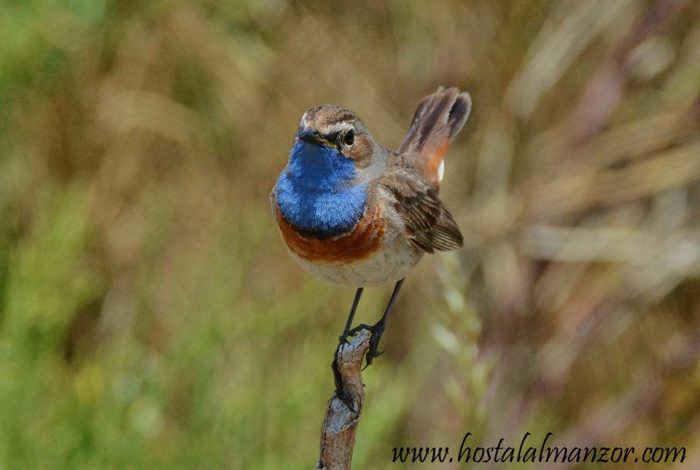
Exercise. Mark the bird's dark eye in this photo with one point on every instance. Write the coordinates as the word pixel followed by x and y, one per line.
pixel 348 137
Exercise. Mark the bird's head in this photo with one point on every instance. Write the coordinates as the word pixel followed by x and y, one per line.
pixel 338 134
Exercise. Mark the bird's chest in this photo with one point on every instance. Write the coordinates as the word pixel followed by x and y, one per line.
pixel 389 260
pixel 335 228
pixel 357 238
pixel 372 253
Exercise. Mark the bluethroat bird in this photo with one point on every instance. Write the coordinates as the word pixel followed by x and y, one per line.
pixel 357 214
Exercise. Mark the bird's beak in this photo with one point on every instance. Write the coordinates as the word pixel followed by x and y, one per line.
pixel 311 136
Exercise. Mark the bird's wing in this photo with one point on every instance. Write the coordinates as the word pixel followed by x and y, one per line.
pixel 423 218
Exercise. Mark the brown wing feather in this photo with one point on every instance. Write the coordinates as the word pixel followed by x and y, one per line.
pixel 427 222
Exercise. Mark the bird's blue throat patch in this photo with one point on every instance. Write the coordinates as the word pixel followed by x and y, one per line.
pixel 315 192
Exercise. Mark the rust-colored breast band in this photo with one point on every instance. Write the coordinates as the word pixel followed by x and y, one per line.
pixel 357 244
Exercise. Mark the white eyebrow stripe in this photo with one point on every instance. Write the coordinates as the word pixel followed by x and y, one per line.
pixel 339 126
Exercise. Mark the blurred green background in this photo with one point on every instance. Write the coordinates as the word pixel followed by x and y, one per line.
pixel 151 318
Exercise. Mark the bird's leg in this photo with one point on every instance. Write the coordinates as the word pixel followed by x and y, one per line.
pixel 377 329
pixel 351 315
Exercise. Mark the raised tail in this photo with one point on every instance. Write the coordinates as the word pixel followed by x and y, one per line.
pixel 437 120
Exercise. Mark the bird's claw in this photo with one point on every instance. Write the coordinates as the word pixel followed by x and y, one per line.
pixel 373 351
pixel 376 335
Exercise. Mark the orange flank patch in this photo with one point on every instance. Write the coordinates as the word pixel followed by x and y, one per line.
pixel 364 239
pixel 433 161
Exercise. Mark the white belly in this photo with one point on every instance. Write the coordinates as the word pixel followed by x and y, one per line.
pixel 387 265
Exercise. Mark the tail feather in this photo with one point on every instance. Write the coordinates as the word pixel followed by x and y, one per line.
pixel 437 120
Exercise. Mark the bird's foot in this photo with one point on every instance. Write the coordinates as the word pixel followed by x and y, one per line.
pixel 377 330
pixel 373 352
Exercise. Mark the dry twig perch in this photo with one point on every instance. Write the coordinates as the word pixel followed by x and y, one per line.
pixel 340 423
